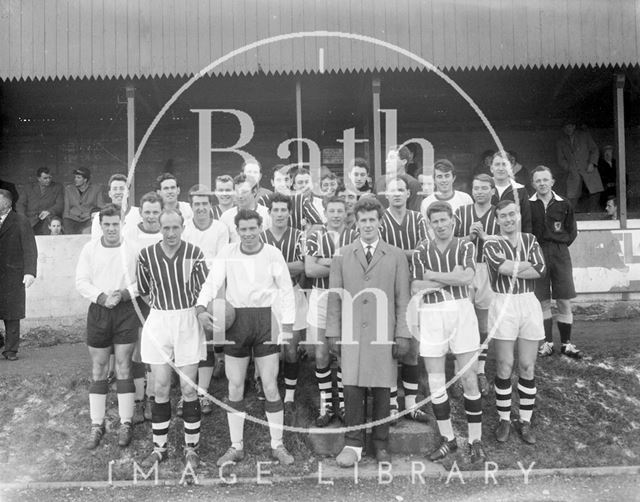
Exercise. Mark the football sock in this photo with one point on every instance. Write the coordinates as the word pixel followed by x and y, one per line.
pixel 473 410
pixel 484 350
pixel 393 398
pixel 527 394
pixel 138 371
pixel 205 372
pixel 565 332
pixel 548 329
pixel 191 417
pixel 323 376
pixel 98 401
pixel 236 423
pixel 290 380
pixel 275 417
pixel 160 420
pixel 409 375
pixel 442 411
pixel 126 399
pixel 340 388
pixel 503 390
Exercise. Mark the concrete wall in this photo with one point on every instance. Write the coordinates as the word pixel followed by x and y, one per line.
pixel 606 267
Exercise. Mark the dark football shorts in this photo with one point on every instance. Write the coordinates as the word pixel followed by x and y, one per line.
pixel 106 327
pixel 251 333
pixel 557 283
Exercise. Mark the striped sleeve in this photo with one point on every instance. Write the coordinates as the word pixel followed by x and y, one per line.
pixel 458 230
pixel 535 256
pixel 143 273
pixel 310 213
pixel 313 244
pixel 468 255
pixel 199 271
pixel 422 228
pixel 491 251
pixel 417 265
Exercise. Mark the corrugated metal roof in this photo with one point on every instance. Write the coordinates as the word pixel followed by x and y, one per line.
pixel 149 38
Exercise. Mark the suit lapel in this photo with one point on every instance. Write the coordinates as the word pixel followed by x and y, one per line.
pixel 359 252
pixel 378 253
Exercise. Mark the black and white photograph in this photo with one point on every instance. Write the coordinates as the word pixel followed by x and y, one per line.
pixel 320 250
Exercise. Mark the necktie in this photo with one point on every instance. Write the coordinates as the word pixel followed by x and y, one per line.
pixel 368 256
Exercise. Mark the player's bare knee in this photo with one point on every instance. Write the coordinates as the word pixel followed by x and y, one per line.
pixel 100 370
pixel 504 368
pixel 270 388
pixel 123 368
pixel 470 383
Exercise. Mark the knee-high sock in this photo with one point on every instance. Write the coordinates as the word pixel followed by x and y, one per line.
pixel 323 376
pixel 409 375
pixel 236 423
pixel 138 371
pixel 275 416
pixel 484 350
pixel 442 411
pixel 473 410
pixel 191 417
pixel 548 330
pixel 160 420
pixel 565 332
pixel 503 397
pixel 527 394
pixel 290 380
pixel 205 372
pixel 393 398
pixel 340 386
pixel 98 401
pixel 126 399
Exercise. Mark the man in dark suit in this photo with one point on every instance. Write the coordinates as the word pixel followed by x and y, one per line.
pixel 18 261
pixel 6 185
pixel 41 200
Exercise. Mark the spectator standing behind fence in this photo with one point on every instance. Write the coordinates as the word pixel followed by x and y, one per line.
pixel 54 225
pixel 41 200
pixel 81 199
pixel 578 157
pixel 18 261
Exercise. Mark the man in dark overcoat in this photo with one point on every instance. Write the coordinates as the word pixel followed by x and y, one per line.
pixel 18 262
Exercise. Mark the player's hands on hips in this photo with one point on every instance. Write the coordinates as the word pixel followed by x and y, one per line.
pixel 401 348
pixel 334 346
pixel 113 299
pixel 28 280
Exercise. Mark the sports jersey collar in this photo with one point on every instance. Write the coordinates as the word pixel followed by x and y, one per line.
pixel 534 197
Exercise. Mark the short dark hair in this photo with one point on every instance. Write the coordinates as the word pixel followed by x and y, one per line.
pixel 439 206
pixel 41 170
pixel 152 197
pixel 539 169
pixel 361 163
pixel 165 177
pixel 297 171
pixel 110 210
pixel 444 166
pixel 278 168
pixel 170 211
pixel 331 176
pixel 504 203
pixel 502 154
pixel 116 177
pixel 368 204
pixel 280 197
pixel 399 177
pixel 484 178
pixel 51 219
pixel 247 214
pixel 199 193
pixel 333 199
pixel 242 178
pixel 224 178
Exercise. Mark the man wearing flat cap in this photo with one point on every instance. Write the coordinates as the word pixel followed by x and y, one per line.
pixel 81 199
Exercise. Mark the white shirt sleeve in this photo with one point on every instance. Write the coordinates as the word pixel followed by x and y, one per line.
pixel 282 278
pixel 215 279
pixel 84 283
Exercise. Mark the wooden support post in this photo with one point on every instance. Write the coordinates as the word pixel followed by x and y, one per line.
pixel 131 138
pixel 299 120
pixel 621 185
pixel 377 133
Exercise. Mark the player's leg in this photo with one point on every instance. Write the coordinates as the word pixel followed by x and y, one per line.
pixel 409 375
pixel 527 353
pixel 543 294
pixel 138 371
pixel 160 412
pixel 218 369
pixel 125 389
pixel 441 406
pixel 564 318
pixel 291 370
pixel 472 404
pixel 98 393
pixel 323 376
pixel 236 370
pixel 191 412
pixel 563 290
pixel 205 373
pixel 268 366
pixel 482 297
pixel 502 386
